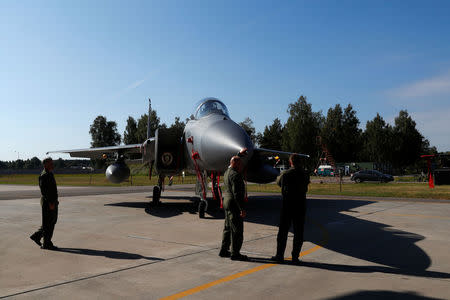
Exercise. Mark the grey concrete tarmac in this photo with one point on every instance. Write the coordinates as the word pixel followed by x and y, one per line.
pixel 115 246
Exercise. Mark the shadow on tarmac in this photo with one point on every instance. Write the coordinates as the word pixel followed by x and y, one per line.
pixel 371 241
pixel 385 295
pixel 107 253
pixel 374 269
pixel 394 249
pixel 171 209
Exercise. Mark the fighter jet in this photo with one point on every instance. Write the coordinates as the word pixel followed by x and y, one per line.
pixel 208 142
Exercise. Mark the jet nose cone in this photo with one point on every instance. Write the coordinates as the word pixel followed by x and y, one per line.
pixel 221 141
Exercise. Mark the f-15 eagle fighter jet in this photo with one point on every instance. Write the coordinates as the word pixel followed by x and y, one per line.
pixel 205 148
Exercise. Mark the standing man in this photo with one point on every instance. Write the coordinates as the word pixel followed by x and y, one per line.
pixel 49 204
pixel 294 185
pixel 233 204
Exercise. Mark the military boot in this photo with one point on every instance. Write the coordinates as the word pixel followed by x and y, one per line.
pixel 36 237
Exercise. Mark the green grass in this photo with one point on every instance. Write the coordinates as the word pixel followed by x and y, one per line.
pixel 409 178
pixel 88 180
pixel 400 190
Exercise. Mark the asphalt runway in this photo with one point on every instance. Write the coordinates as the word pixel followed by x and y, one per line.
pixel 114 245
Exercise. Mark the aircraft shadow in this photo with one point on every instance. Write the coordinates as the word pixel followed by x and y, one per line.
pixel 171 209
pixel 107 253
pixel 385 295
pixel 395 250
pixel 374 269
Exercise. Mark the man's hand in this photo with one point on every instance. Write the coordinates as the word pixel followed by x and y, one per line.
pixel 243 213
pixel 51 206
pixel 243 152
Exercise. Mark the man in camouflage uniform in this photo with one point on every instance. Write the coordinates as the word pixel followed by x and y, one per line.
pixel 294 185
pixel 233 204
pixel 49 204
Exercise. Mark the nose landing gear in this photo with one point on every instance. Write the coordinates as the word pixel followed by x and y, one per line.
pixel 157 189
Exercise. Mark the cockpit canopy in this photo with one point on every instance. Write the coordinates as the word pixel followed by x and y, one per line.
pixel 210 106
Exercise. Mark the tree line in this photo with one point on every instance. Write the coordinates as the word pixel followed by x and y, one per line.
pixel 305 131
pixel 36 163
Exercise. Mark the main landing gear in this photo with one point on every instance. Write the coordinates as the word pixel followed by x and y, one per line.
pixel 156 200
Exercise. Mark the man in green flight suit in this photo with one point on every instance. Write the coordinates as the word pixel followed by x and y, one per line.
pixel 294 185
pixel 49 204
pixel 233 204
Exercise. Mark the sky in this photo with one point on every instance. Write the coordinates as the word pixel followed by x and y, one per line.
pixel 62 63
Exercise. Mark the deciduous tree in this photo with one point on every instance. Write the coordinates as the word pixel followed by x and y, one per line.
pixel 271 137
pixel 302 128
pixel 130 134
pixel 178 126
pixel 247 125
pixel 409 143
pixel 141 134
pixel 378 141
pixel 104 133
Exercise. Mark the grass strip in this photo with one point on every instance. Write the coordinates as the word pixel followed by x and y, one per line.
pixel 399 190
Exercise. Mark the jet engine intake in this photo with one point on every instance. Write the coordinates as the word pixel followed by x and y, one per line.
pixel 168 151
pixel 117 172
pixel 260 171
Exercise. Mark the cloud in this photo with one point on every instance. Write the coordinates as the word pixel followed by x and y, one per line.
pixel 135 84
pixel 434 86
pixel 434 125
pixel 130 87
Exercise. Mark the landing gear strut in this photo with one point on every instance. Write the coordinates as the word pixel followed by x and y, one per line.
pixel 216 190
pixel 201 192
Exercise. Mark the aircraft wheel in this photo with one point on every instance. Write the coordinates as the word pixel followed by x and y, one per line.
pixel 201 209
pixel 156 195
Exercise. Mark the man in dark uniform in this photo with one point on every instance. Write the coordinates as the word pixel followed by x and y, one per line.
pixel 49 204
pixel 294 185
pixel 233 204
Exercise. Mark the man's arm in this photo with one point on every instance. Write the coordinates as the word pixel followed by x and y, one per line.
pixel 280 179
pixel 238 190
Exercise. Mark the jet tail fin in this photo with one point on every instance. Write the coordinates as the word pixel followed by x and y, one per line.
pixel 149 133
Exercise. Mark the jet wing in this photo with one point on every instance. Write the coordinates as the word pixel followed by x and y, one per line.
pixel 98 153
pixel 269 152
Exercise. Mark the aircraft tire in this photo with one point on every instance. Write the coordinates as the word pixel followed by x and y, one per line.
pixel 156 195
pixel 201 209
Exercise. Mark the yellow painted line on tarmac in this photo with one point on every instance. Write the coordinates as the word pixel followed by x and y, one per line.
pixel 421 216
pixel 246 272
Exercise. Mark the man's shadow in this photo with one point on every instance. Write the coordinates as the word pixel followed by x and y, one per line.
pixel 108 254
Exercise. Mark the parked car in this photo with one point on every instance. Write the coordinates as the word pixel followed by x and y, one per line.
pixel 325 170
pixel 371 175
